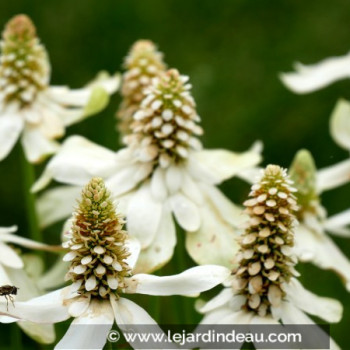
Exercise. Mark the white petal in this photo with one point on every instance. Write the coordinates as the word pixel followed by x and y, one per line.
pixel 123 180
pixel 79 305
pixel 10 129
pixel 327 309
pixel 158 185
pixel 186 212
pixel 36 145
pixel 126 312
pixel 292 315
pixel 215 166
pixel 173 178
pixel 90 330
pixel 26 242
pixel 56 204
pixel 80 97
pixel 240 317
pixel 9 257
pixel 131 317
pixel 143 217
pixel 134 248
pixel 10 229
pixel 227 210
pixel 191 189
pixel 215 316
pixel 316 76
pixel 190 282
pixel 250 175
pixel 215 242
pixel 336 224
pixel 218 301
pixel 340 124
pixel 161 249
pixel 333 176
pixel 47 308
pixel 51 125
pixel 322 251
pixel 77 162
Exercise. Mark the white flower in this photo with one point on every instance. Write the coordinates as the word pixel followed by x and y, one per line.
pixel 312 242
pixel 12 273
pixel 102 258
pixel 28 105
pixel 263 289
pixel 308 78
pixel 163 172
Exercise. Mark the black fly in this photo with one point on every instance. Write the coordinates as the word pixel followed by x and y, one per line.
pixel 7 291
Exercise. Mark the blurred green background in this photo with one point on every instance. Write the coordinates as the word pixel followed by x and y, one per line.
pixel 232 50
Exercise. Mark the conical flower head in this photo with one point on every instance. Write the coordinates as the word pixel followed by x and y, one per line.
pixel 165 127
pixel 143 63
pixel 303 173
pixel 265 260
pixel 97 244
pixel 24 68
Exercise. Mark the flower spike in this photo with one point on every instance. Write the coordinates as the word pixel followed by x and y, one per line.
pixel 97 244
pixel 25 67
pixel 265 260
pixel 143 63
pixel 165 127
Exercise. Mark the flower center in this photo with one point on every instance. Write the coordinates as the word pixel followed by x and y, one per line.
pixel 143 63
pixel 265 260
pixel 97 244
pixel 24 68
pixel 165 127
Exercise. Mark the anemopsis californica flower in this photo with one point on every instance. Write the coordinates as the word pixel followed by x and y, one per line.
pixel 311 240
pixel 12 273
pixel 264 288
pixel 102 258
pixel 29 106
pixel 163 171
pixel 308 78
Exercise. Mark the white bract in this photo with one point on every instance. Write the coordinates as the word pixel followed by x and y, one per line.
pixel 102 258
pixel 312 242
pixel 29 106
pixel 164 172
pixel 263 288
pixel 12 273
pixel 308 78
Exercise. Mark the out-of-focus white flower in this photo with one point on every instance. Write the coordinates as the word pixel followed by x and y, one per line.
pixel 28 105
pixel 163 172
pixel 311 240
pixel 12 273
pixel 142 64
pixel 263 289
pixel 101 261
pixel 308 78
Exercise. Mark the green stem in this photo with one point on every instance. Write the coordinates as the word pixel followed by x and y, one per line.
pixel 28 178
pixel 16 337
